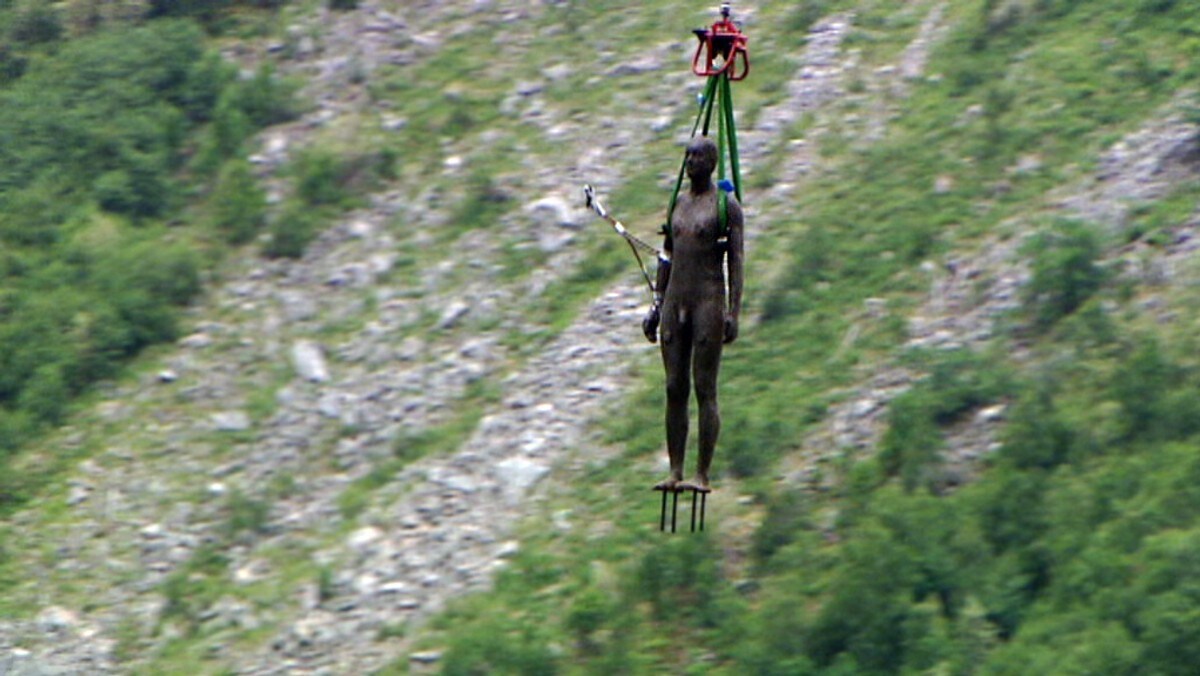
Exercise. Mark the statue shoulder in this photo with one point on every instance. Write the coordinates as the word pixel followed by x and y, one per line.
pixel 733 208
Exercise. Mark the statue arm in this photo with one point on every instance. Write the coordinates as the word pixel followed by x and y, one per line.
pixel 663 275
pixel 735 258
pixel 664 267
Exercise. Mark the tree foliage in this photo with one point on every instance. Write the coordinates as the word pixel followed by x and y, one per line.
pixel 93 136
pixel 1065 272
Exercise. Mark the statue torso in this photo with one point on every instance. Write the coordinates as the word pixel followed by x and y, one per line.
pixel 698 252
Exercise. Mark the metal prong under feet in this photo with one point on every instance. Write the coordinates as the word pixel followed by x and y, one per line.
pixel 662 515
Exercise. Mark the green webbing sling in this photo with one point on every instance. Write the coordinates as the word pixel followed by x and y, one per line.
pixel 716 88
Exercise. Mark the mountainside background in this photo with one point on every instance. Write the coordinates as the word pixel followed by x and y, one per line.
pixel 313 361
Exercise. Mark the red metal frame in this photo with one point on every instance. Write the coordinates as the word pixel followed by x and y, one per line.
pixel 725 40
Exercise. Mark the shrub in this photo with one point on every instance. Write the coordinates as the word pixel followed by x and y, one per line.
pixel 787 514
pixel 13 429
pixel 213 14
pixel 1065 272
pixel 321 178
pixel 199 96
pixel 590 612
pixel 98 119
pixel 35 22
pixel 864 620
pixel 44 396
pixel 1036 437
pixel 912 441
pixel 681 573
pixel 485 202
pixel 326 587
pixel 499 645
pixel 31 216
pixel 239 205
pixel 228 130
pixel 246 515
pixel 12 64
pixel 750 445
pixel 1139 384
pixel 1156 6
pixel 292 231
pixel 266 99
pixel 958 382
pixel 170 273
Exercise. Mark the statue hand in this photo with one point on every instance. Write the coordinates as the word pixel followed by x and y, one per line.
pixel 731 328
pixel 650 324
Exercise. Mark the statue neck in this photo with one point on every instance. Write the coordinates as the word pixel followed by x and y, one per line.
pixel 701 186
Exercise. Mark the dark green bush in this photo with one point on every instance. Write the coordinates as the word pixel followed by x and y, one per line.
pixel 214 15
pixel 322 178
pixel 229 129
pixel 748 444
pixel 591 611
pixel 12 65
pixel 864 620
pixel 499 646
pixel 912 442
pixel 958 382
pixel 1036 437
pixel 787 514
pixel 101 124
pixel 265 98
pixel 239 205
pixel 44 396
pixel 1157 6
pixel 1065 272
pixel 100 120
pixel 246 514
pixel 681 574
pixel 210 76
pixel 292 230
pixel 34 23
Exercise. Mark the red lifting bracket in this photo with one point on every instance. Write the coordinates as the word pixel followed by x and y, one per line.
pixel 726 41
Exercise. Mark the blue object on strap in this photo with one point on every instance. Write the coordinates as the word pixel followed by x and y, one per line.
pixel 725 184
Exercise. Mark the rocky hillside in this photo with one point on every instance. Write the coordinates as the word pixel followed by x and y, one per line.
pixel 347 449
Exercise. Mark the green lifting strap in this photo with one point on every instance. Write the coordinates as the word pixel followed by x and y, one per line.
pixel 705 114
pixel 717 88
pixel 733 148
pixel 722 196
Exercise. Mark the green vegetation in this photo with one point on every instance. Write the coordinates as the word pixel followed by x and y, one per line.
pixel 114 128
pixel 1070 548
pixel 239 204
pixel 1065 273
pixel 1066 552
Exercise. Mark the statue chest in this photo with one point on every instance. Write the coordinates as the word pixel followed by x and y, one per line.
pixel 695 220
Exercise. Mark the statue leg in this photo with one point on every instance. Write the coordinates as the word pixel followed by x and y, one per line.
pixel 706 367
pixel 677 356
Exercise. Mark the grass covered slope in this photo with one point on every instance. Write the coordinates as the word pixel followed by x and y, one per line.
pixel 1073 549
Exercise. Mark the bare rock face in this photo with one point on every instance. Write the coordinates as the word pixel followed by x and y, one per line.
pixel 1143 166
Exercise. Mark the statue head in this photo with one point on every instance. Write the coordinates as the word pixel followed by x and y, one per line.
pixel 701 158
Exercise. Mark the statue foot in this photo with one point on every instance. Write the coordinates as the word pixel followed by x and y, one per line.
pixel 698 484
pixel 671 484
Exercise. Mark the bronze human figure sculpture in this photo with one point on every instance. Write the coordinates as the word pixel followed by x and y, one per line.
pixel 692 314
